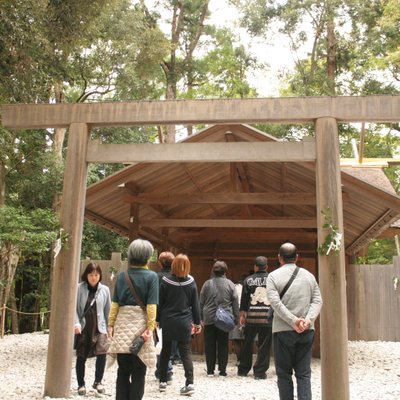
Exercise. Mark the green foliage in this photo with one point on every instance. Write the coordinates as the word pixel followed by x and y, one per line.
pixel 98 243
pixel 24 72
pixel 379 252
pixel 32 231
pixel 223 71
pixel 333 239
pixel 119 60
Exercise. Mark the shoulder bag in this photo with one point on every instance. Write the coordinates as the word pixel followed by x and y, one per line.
pixel 224 319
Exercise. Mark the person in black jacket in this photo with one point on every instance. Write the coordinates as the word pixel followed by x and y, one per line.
pixel 179 317
pixel 165 261
pixel 254 306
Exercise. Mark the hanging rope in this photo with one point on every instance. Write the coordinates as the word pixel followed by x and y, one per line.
pixel 3 315
pixel 25 313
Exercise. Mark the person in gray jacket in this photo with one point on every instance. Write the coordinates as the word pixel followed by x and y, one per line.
pixel 91 320
pixel 293 323
pixel 222 290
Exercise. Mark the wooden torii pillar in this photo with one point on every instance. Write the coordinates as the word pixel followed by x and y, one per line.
pixel 332 276
pixel 66 268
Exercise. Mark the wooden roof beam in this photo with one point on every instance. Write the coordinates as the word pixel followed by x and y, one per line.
pixel 222 198
pixel 99 220
pixel 270 235
pixel 369 162
pixel 201 152
pixel 197 186
pixel 373 231
pixel 287 222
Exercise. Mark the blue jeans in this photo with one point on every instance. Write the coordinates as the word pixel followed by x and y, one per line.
pixel 293 352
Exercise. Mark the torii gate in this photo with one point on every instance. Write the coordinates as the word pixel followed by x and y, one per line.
pixel 324 112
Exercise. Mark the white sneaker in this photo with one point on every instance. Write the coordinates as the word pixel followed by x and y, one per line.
pixel 162 386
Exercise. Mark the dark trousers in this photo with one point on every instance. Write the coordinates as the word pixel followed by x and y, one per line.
pixel 186 357
pixel 216 348
pixel 80 369
pixel 264 347
pixel 293 352
pixel 130 377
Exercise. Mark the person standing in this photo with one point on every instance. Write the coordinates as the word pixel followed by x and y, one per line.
pixel 293 322
pixel 128 321
pixel 217 290
pixel 179 317
pixel 165 261
pixel 92 309
pixel 254 306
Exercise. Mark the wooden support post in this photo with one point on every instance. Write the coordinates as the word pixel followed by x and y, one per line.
pixel 3 320
pixel 66 268
pixel 332 278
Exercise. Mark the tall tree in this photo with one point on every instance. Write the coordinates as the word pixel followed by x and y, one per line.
pixel 195 57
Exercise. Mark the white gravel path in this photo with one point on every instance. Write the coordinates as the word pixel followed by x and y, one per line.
pixel 374 374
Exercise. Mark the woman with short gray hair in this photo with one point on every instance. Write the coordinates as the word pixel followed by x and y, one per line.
pixel 139 252
pixel 133 314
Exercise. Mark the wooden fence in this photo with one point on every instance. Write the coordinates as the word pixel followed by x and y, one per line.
pixel 373 303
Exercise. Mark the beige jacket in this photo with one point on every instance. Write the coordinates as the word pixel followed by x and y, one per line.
pixel 131 322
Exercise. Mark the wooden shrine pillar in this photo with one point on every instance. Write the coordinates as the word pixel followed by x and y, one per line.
pixel 332 278
pixel 66 267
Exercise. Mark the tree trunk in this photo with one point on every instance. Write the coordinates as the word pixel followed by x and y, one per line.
pixel 2 185
pixel 9 256
pixel 331 53
pixel 58 142
pixel 14 315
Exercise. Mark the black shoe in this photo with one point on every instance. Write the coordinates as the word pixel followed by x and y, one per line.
pixel 259 377
pixel 223 373
pixel 242 373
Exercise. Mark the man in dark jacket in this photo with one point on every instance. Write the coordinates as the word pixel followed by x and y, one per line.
pixel 254 306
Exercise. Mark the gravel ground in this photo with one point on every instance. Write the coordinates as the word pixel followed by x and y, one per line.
pixel 374 369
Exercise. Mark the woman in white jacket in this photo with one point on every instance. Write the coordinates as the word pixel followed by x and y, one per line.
pixel 92 309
